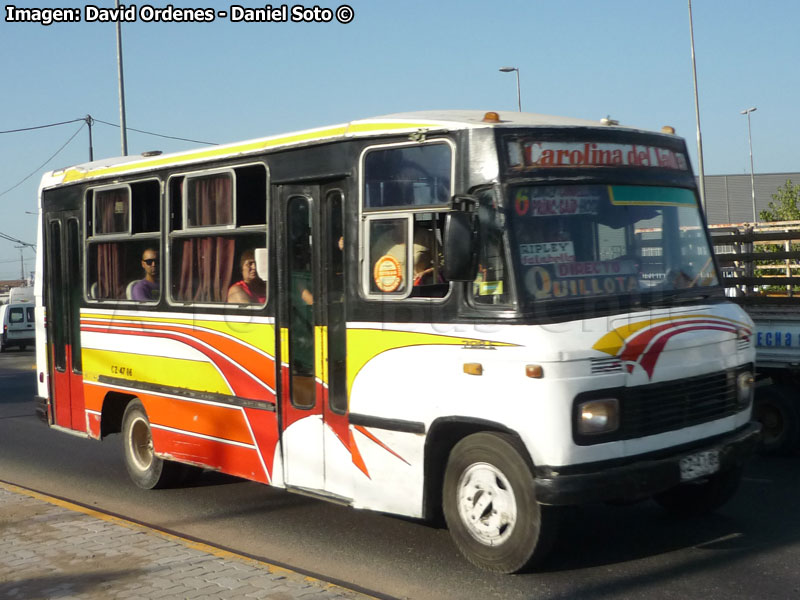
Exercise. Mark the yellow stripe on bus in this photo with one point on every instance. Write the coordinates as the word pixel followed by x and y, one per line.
pixel 159 370
pixel 365 344
pixel 259 335
pixel 76 174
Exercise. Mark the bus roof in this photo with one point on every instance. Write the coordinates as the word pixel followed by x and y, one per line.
pixel 441 120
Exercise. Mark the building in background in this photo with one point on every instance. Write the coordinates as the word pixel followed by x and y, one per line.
pixel 729 197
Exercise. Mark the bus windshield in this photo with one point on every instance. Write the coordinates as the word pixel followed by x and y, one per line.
pixel 579 241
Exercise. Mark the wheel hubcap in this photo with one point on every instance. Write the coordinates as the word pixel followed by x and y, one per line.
pixel 486 504
pixel 141 444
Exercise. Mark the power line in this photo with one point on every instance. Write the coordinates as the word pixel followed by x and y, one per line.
pixel 39 168
pixel 14 260
pixel 42 126
pixel 88 120
pixel 171 137
pixel 15 240
pixel 85 119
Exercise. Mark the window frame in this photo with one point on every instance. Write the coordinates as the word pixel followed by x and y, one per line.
pixel 368 215
pixel 91 238
pixel 236 231
pixel 185 198
pixel 365 255
pixel 95 217
pixel 362 209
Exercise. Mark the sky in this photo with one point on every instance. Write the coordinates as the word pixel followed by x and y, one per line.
pixel 222 81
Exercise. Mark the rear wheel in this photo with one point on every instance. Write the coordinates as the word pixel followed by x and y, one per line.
pixel 147 470
pixel 490 505
pixel 703 496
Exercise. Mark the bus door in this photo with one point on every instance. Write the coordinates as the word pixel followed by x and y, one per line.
pixel 315 438
pixel 63 293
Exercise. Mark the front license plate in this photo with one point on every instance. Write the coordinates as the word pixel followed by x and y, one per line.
pixel 700 464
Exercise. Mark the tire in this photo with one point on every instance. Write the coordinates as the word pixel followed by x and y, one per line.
pixel 775 409
pixel 702 497
pixel 147 470
pixel 490 505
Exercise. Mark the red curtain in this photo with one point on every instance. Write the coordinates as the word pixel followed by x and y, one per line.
pixel 110 257
pixel 207 262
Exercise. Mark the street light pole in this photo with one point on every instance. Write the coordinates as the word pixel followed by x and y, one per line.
pixel 747 112
pixel 122 124
pixel 519 96
pixel 697 115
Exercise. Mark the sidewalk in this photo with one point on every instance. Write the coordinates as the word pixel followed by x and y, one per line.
pixel 50 548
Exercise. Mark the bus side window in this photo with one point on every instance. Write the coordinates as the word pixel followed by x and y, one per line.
pixel 114 215
pixel 388 256
pixel 217 220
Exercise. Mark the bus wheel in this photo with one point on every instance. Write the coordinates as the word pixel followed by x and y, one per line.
pixel 702 497
pixel 490 505
pixel 147 470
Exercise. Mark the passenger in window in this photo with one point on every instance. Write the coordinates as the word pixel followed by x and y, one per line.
pixel 425 271
pixel 251 289
pixel 147 289
pixel 423 266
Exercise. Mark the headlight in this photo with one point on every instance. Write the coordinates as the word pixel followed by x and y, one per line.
pixel 598 416
pixel 745 384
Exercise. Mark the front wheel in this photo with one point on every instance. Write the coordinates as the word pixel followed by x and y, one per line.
pixel 147 470
pixel 490 504
pixel 775 409
pixel 703 496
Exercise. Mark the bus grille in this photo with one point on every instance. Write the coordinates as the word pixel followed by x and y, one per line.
pixel 660 407
pixel 606 366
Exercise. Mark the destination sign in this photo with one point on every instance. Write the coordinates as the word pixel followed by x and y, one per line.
pixel 541 154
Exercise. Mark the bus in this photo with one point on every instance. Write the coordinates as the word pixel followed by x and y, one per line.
pixel 456 316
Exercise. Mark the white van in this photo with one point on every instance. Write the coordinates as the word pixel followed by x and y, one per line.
pixel 18 326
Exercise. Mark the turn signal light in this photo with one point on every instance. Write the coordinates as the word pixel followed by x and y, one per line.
pixel 534 371
pixel 473 368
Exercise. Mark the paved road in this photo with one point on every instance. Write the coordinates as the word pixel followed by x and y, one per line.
pixel 750 549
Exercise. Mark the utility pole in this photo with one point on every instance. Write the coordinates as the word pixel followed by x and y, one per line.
pixel 21 263
pixel 90 121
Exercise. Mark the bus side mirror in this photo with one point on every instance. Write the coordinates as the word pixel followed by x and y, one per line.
pixel 460 246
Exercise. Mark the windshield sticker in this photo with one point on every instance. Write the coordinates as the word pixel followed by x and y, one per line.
pixel 542 285
pixel 593 269
pixel 635 195
pixel 587 154
pixel 547 253
pixel 556 201
pixel 388 274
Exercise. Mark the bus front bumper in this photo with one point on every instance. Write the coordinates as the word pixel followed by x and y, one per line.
pixel 640 476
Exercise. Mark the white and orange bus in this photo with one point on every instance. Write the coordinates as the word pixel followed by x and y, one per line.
pixel 466 314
